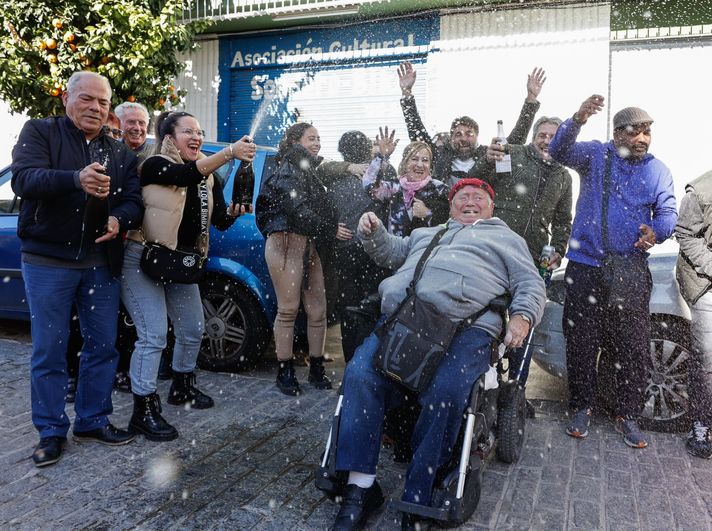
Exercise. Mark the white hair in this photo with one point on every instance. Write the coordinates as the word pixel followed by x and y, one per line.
pixel 121 109
pixel 76 77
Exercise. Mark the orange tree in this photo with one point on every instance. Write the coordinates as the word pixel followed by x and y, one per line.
pixel 135 43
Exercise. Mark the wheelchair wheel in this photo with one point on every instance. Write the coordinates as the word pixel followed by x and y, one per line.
pixel 460 510
pixel 510 423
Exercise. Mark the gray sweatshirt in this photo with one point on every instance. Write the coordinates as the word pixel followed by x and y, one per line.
pixel 470 266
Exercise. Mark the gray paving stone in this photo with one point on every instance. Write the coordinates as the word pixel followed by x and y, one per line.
pixel 248 464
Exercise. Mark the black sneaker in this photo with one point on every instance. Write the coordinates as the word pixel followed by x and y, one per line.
pixel 287 379
pixel 71 395
pixel 317 373
pixel 580 423
pixel 699 441
pixel 357 505
pixel 48 451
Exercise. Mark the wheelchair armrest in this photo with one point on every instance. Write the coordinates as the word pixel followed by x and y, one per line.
pixel 501 303
pixel 369 307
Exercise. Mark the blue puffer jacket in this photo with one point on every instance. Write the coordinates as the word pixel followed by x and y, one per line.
pixel 641 192
pixel 45 159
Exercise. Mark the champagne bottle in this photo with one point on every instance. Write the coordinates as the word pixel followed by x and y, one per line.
pixel 504 165
pixel 243 186
pixel 96 212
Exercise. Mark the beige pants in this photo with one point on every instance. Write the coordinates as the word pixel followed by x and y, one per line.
pixel 284 253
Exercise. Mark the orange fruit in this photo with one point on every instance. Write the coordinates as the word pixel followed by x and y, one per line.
pixel 131 99
pixel 55 92
pixel 161 102
pixel 50 43
pixel 42 45
pixel 73 47
pixel 171 88
pixel 52 58
pixel 105 59
pixel 69 37
pixel 57 23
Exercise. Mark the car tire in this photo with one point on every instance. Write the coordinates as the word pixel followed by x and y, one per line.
pixel 666 395
pixel 236 330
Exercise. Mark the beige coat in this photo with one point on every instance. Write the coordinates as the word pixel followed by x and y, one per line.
pixel 164 206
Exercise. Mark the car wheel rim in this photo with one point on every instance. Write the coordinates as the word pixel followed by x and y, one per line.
pixel 224 326
pixel 666 392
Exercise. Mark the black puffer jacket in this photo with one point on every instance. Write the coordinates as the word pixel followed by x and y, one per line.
pixel 293 199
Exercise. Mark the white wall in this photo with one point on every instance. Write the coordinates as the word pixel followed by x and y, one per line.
pixel 11 124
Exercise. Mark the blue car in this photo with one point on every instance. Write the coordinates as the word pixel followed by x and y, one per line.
pixel 237 293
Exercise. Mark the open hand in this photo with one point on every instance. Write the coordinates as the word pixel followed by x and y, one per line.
pixel 368 224
pixel 592 105
pixel 535 81
pixel 386 143
pixel 406 77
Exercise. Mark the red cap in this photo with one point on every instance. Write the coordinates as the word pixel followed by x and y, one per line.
pixel 477 183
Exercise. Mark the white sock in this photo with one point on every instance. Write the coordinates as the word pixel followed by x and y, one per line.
pixel 365 481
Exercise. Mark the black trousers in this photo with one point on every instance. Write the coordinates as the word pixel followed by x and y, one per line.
pixel 358 276
pixel 607 310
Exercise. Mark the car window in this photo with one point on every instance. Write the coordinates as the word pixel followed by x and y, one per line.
pixel 8 201
pixel 224 171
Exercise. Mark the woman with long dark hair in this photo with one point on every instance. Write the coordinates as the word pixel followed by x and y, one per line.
pixel 181 197
pixel 296 217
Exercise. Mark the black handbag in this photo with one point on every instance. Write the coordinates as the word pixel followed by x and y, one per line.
pixel 174 265
pixel 413 340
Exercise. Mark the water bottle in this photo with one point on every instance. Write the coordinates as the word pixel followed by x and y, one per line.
pixel 504 165
pixel 547 253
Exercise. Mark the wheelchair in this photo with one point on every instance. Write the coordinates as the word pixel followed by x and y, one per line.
pixel 494 423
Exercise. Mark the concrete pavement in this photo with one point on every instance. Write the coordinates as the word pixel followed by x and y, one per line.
pixel 248 463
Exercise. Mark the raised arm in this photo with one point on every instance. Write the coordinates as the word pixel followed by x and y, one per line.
pixel 416 128
pixel 385 249
pixel 535 81
pixel 564 148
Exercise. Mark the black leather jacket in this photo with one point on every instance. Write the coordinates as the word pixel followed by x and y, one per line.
pixel 293 199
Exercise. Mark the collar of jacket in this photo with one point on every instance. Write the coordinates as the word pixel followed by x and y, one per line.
pixel 69 124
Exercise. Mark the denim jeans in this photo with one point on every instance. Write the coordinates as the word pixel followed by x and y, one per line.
pixel 51 291
pixel 700 365
pixel 149 303
pixel 368 395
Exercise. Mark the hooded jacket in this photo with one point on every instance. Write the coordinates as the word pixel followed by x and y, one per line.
pixel 470 266
pixel 534 199
pixel 293 199
pixel 46 162
pixel 694 234
pixel 641 192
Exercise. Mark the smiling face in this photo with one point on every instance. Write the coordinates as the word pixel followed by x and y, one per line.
pixel 543 137
pixel 463 140
pixel 188 138
pixel 471 203
pixel 310 141
pixel 418 165
pixel 87 104
pixel 134 122
pixel 632 141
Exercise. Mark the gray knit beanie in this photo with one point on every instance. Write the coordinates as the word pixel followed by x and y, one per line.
pixel 631 116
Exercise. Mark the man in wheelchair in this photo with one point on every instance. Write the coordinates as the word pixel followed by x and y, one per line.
pixel 477 259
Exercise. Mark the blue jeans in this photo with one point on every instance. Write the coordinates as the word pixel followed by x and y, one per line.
pixel 51 291
pixel 148 303
pixel 368 395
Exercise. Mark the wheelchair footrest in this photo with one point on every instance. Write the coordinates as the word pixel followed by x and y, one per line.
pixel 434 513
pixel 330 485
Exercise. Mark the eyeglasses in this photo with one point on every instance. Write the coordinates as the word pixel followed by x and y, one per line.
pixel 191 132
pixel 116 132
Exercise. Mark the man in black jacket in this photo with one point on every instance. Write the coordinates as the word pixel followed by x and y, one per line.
pixel 453 161
pixel 79 191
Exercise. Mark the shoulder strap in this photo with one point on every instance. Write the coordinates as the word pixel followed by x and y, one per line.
pixel 426 254
pixel 605 201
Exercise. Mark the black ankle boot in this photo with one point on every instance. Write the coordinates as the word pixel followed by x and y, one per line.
pixel 317 374
pixel 287 379
pixel 183 391
pixel 147 420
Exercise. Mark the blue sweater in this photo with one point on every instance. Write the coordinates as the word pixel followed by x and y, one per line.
pixel 641 192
